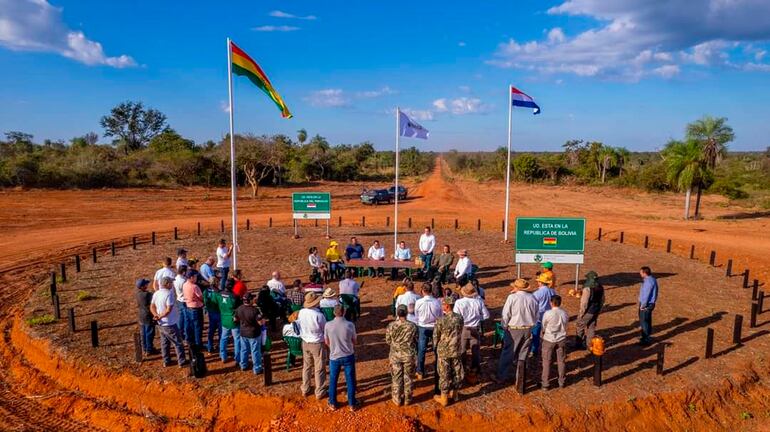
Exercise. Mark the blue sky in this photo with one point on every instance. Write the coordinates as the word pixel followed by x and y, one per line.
pixel 627 72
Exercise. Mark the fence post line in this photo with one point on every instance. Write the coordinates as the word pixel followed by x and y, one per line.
pixel 77 263
pixel 709 343
pixel 729 270
pixel 737 328
pixel 94 334
pixel 63 271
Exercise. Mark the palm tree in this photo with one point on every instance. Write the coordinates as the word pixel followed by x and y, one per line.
pixel 609 159
pixel 712 134
pixel 623 157
pixel 302 136
pixel 684 167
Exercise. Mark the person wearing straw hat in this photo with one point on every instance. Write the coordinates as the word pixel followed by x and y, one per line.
pixel 447 335
pixel 401 336
pixel 333 257
pixel 311 329
pixel 473 311
pixel 463 268
pixel 520 314
pixel 543 296
pixel 329 298
pixel 591 303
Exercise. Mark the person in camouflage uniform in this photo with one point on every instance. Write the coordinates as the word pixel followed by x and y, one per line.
pixel 401 335
pixel 447 334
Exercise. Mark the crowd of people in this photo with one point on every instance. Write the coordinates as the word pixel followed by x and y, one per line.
pixel 446 315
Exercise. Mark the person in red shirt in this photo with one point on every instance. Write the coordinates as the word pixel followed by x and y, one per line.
pixel 239 287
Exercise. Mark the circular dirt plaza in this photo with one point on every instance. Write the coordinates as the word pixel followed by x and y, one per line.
pixel 693 297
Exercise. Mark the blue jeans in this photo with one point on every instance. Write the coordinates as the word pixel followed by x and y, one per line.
pixel 424 334
pixel 426 260
pixel 645 321
pixel 251 346
pixel 195 326
pixel 536 337
pixel 235 333
pixel 148 336
pixel 223 272
pixel 337 268
pixel 182 324
pixel 215 328
pixel 349 364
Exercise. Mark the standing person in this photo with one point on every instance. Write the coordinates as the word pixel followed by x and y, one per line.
pixel 444 263
pixel 239 285
pixel 166 271
pixel 376 253
pixel 212 310
pixel 447 336
pixel 319 270
pixel 311 329
pixel 519 316
pixel 427 244
pixel 591 303
pixel 547 269
pixel 354 250
pixel 409 300
pixel 471 307
pixel 428 311
pixel 340 337
pixel 146 320
pixel 648 296
pixel 543 296
pixel 207 271
pixel 555 322
pixel 223 262
pixel 250 322
pixel 401 335
pixel 402 253
pixel 228 303
pixel 194 304
pixel 179 281
pixel 164 310
pixel 463 268
pixel 349 286
pixel 333 257
pixel 181 258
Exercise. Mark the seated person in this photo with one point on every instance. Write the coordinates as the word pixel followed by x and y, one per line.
pixel 376 253
pixel 444 263
pixel 463 268
pixel 291 329
pixel 320 271
pixel 271 309
pixel 354 250
pixel 329 299
pixel 333 257
pixel 295 293
pixel 404 254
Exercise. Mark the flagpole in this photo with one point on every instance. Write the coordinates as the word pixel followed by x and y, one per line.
pixel 233 183
pixel 395 217
pixel 508 163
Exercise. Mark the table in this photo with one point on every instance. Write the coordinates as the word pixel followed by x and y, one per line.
pixel 388 264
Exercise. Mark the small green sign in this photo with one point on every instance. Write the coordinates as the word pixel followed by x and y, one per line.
pixel 311 205
pixel 550 235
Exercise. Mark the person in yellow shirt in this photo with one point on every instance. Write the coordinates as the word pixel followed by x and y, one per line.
pixel 548 272
pixel 333 257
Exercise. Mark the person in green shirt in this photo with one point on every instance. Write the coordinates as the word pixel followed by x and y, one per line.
pixel 227 302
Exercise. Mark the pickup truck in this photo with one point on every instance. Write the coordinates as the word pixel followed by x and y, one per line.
pixel 401 192
pixel 376 196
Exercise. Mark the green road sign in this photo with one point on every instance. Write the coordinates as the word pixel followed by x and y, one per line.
pixel 550 235
pixel 311 205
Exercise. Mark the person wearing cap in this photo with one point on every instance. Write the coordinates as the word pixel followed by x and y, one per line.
pixel 146 320
pixel 447 335
pixel 329 298
pixel 194 301
pixel 471 307
pixel 207 271
pixel 340 337
pixel 463 268
pixel 402 253
pixel 166 271
pixel 250 323
pixel 520 314
pixel 444 263
pixel 376 253
pixel 591 303
pixel 214 332
pixel 401 336
pixel 543 296
pixel 179 281
pixel 547 269
pixel 409 300
pixel 427 244
pixel 224 253
pixel 227 303
pixel 165 311
pixel 554 326
pixel 311 329
pixel 427 310
pixel 333 257
pixel 648 296
pixel 181 258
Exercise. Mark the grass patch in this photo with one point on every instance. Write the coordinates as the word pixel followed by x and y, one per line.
pixel 84 296
pixel 41 320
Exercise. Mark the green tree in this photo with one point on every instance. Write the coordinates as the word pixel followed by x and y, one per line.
pixel 553 165
pixel 169 141
pixel 301 136
pixel 133 125
pixel 684 167
pixel 712 134
pixel 526 167
pixel 608 159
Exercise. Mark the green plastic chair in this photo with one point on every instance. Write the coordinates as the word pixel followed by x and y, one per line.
pixel 294 345
pixel 498 336
pixel 328 313
pixel 295 307
pixel 349 303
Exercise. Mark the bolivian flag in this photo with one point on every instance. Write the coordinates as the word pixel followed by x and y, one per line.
pixel 549 241
pixel 243 65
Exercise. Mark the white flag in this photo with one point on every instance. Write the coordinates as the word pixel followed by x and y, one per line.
pixel 410 128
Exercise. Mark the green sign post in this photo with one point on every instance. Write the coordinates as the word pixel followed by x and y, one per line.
pixel 311 205
pixel 558 240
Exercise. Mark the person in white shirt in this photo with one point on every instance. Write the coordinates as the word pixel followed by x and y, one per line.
pixel 520 314
pixel 408 299
pixel 463 268
pixel 471 307
pixel 403 253
pixel 555 322
pixel 427 244
pixel 181 258
pixel 164 310
pixel 427 310
pixel 376 253
pixel 179 282
pixel 320 270
pixel 311 329
pixel 349 285
pixel 223 262
pixel 165 271
pixel 329 298
pixel 276 284
pixel 290 329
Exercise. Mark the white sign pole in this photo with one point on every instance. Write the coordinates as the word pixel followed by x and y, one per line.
pixel 395 216
pixel 233 183
pixel 508 164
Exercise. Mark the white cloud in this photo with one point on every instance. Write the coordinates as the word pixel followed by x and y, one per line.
pixel 384 91
pixel 224 106
pixel 328 98
pixel 460 106
pixel 282 14
pixel 461 44
pixel 666 71
pixel 35 25
pixel 634 39
pixel 423 115
pixel 272 28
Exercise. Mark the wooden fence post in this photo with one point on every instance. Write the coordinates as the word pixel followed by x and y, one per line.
pixel 597 370
pixel 71 314
pixel 339 221
pixel 709 343
pixel 112 248
pixel 646 241
pixel 267 368
pixel 746 278
pixel 755 289
pixel 409 223
pixel 248 224
pixel 77 263
pixel 63 271
pixel 692 252
pixel 478 225
pixel 456 224
pixel 176 233
pixel 133 242
pixel 712 258
pixel 363 221
pixel 53 286
pixel 729 270
pixel 153 238
pixel 754 313
pixel 56 308
pixel 622 235
pixel 199 229
pixel 94 334
pixel 737 328
pixel 668 246
pixel 94 254
pixel 432 223
pixel 387 221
